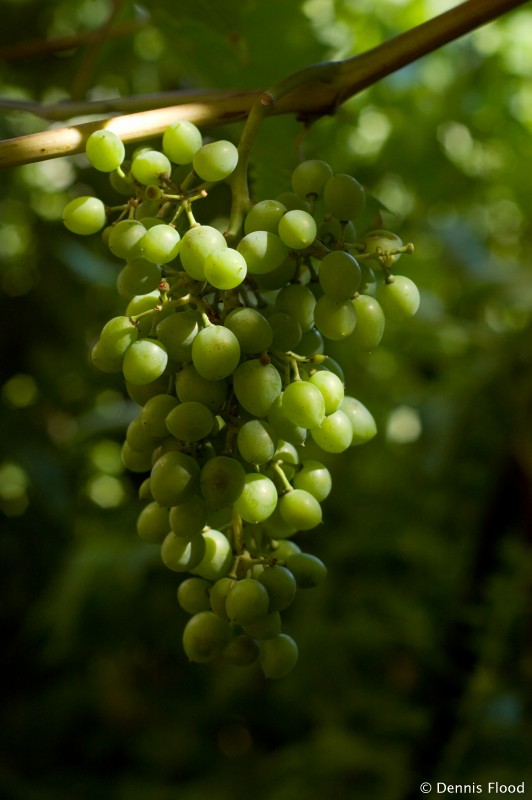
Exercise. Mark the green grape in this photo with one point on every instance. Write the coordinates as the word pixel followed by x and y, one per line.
pixel 215 161
pixel 283 549
pixel 117 336
pixel 138 438
pixel 105 150
pixel 141 394
pixel 198 243
pixel 335 433
pixel 177 331
pixel 135 460
pixel 190 421
pixel 218 557
pixel 370 322
pixel 150 167
pixel 308 570
pixel 278 656
pixel 258 498
pixel 286 429
pixel 242 651
pixel 287 453
pixel 315 478
pixel 257 441
pixel 205 637
pixel 300 510
pixel 368 280
pixel 160 244
pixel 344 197
pixel 140 304
pixel 247 600
pixel 174 479
pixel 263 251
pixel 181 140
pixel 278 277
pixel 399 298
pixel 191 386
pixel 311 343
pixel 292 201
pixel 84 215
pixel 297 229
pixel 152 523
pixel 124 239
pixel 193 595
pixel 218 596
pixel 264 216
pixel 256 386
pixel 310 177
pixel 144 361
pixel 339 275
pixel 145 491
pixel 265 627
pixel 222 480
pixel 154 414
pixel 189 518
pixel 181 555
pixel 281 586
pixel 303 404
pixel 225 268
pixel 253 331
pixel 334 320
pixel 377 245
pixel 299 302
pixel 215 352
pixel 331 387
pixel 138 277
pixel 276 528
pixel 287 331
pixel 102 361
pixel 362 422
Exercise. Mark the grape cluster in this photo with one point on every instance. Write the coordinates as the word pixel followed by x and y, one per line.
pixel 221 345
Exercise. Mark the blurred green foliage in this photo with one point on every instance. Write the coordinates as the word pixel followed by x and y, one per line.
pixel 416 657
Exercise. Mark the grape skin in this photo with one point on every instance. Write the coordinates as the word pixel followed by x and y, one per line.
pixel 144 361
pixel 257 386
pixel 204 637
pixel 278 656
pixel 218 556
pixel 258 498
pixel 310 177
pixel 399 298
pixel 174 479
pixel 181 141
pixel 303 404
pixel 215 161
pixel 300 509
pixel 105 150
pixel 297 229
pixel 215 352
pixel 84 215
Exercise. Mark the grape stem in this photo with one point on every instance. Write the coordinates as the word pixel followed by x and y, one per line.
pixel 238 181
pixel 310 93
pixel 279 471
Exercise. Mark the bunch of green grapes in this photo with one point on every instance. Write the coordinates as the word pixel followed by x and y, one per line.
pixel 222 346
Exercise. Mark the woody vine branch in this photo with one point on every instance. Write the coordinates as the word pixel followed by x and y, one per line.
pixel 312 92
